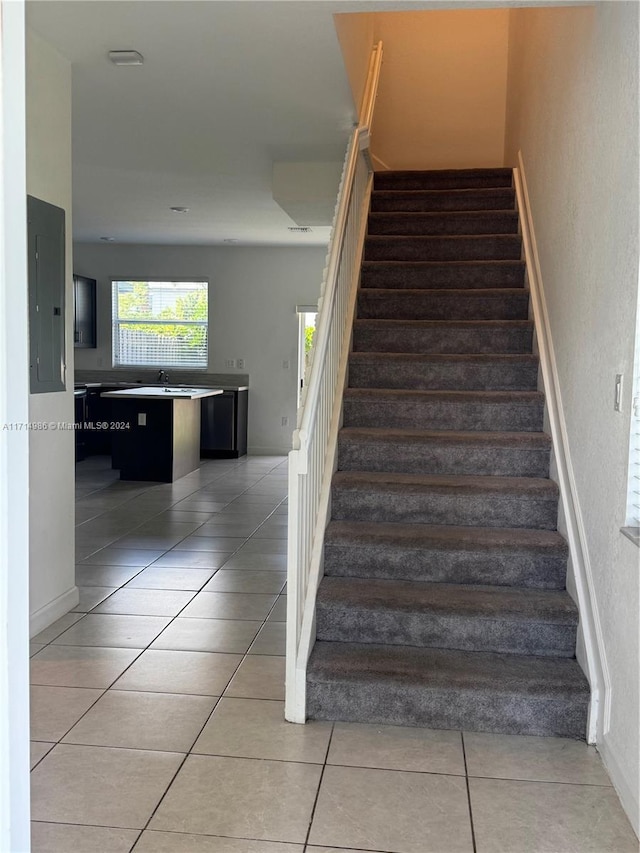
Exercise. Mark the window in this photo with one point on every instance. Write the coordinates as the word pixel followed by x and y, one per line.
pixel 160 323
pixel 307 327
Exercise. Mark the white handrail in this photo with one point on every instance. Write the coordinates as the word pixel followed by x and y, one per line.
pixel 312 460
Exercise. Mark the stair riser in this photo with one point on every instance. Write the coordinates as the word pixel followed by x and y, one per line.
pixel 442 275
pixel 442 248
pixel 440 458
pixel 386 562
pixel 442 181
pixel 434 508
pixel 432 224
pixel 416 201
pixel 443 376
pixel 436 708
pixel 442 340
pixel 466 633
pixel 440 414
pixel 378 305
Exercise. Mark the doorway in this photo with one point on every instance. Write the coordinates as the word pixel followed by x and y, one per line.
pixel 307 316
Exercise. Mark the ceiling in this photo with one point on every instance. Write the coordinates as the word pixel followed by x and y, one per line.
pixel 226 89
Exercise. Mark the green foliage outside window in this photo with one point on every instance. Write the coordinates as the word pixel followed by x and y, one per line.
pixel 309 332
pixel 136 305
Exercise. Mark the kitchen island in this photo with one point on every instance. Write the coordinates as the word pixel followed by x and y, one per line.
pixel 156 431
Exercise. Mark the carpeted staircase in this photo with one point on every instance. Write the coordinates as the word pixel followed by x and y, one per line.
pixel 443 602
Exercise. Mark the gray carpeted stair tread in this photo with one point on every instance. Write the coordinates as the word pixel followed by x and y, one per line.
pixel 520 454
pixel 442 274
pixel 443 336
pixel 417 358
pixel 399 394
pixel 518 411
pixel 448 304
pixel 442 688
pixel 521 557
pixel 467 247
pixel 485 440
pixel 449 222
pixel 443 615
pixel 501 198
pixel 443 179
pixel 486 602
pixel 437 371
pixel 446 484
pixel 443 601
pixel 460 500
pixel 421 536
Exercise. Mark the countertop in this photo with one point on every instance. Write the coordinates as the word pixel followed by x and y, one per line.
pixel 170 392
pixel 127 385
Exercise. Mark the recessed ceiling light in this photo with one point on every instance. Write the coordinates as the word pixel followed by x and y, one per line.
pixel 126 57
pixel 179 209
pixel 108 239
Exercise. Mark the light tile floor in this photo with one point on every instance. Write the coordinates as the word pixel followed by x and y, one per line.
pixel 157 712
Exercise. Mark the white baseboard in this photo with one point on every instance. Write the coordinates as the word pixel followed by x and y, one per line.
pixel 594 658
pixel 624 789
pixel 269 451
pixel 48 614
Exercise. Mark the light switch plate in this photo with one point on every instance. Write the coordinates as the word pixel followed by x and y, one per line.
pixel 617 400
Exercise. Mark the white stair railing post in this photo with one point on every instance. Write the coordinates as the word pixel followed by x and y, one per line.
pixel 313 457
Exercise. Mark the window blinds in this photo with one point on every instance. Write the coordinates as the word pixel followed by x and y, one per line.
pixel 160 323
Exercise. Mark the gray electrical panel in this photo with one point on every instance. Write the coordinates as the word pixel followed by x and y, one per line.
pixel 46 258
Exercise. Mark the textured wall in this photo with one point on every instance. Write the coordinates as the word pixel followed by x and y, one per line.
pixel 51 453
pixel 573 112
pixel 441 101
pixel 355 34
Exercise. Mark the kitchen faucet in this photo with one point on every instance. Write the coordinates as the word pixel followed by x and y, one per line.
pixel 163 376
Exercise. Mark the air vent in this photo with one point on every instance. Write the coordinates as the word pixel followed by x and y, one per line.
pixel 302 229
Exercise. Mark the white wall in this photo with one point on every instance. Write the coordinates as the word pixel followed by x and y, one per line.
pixel 14 446
pixel 252 297
pixel 51 453
pixel 356 37
pixel 573 112
pixel 442 94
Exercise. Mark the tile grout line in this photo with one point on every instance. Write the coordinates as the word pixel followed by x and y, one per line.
pixel 317 796
pixel 245 655
pixel 190 751
pixel 147 647
pixel 466 779
pixel 166 509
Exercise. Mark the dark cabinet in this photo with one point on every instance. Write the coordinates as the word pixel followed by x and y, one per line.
pixel 98 413
pixel 223 425
pixel 84 314
pixel 80 401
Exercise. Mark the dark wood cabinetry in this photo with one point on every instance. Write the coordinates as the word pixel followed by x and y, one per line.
pixel 84 312
pixel 98 411
pixel 80 405
pixel 223 425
